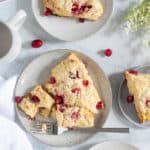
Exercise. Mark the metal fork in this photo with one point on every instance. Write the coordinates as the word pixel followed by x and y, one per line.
pixel 52 128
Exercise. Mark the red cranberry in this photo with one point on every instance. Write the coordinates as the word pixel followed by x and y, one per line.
pixel 108 52
pixel 35 99
pixel 48 12
pixel 75 9
pixel 130 99
pixel 18 99
pixel 147 103
pixel 100 105
pixel 52 80
pixel 133 72
pixel 85 83
pixel 59 99
pixel 37 43
pixel 74 115
pixel 63 107
pixel 81 20
pixel 76 90
pixel 30 118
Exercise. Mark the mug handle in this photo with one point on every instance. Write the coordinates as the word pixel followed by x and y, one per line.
pixel 17 21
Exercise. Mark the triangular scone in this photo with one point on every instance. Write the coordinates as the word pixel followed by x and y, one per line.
pixel 87 9
pixel 37 101
pixel 71 83
pixel 139 87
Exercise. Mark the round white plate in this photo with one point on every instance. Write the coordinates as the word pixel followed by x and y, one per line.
pixel 69 29
pixel 38 71
pixel 113 145
pixel 128 109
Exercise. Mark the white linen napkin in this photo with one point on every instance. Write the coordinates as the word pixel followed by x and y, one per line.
pixel 11 135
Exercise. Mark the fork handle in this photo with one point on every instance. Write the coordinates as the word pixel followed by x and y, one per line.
pixel 111 130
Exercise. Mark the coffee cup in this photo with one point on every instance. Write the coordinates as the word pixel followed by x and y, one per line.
pixel 10 41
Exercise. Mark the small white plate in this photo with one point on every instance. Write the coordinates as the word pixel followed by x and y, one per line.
pixel 38 71
pixel 69 29
pixel 113 145
pixel 128 109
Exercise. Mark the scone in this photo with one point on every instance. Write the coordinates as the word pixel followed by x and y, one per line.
pixel 71 84
pixel 139 87
pixel 70 117
pixel 86 9
pixel 36 101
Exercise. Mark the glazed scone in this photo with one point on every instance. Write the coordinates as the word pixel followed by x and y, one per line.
pixel 70 117
pixel 139 87
pixel 37 101
pixel 87 9
pixel 71 84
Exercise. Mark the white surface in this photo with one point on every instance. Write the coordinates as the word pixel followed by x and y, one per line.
pixel 59 26
pixel 11 136
pixel 128 51
pixel 41 72
pixel 115 145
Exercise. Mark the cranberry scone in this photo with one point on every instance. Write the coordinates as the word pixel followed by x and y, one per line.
pixel 71 84
pixel 73 90
pixel 36 101
pixel 86 9
pixel 139 87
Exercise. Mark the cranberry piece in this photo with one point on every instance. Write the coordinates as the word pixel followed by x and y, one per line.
pixel 85 83
pixel 76 90
pixel 52 80
pixel 108 52
pixel 30 118
pixel 100 105
pixel 147 103
pixel 130 99
pixel 48 12
pixel 75 9
pixel 35 99
pixel 63 107
pixel 133 72
pixel 18 99
pixel 74 115
pixel 81 20
pixel 59 99
pixel 37 43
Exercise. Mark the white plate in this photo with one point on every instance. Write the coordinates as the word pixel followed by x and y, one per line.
pixel 69 29
pixel 128 109
pixel 113 145
pixel 38 71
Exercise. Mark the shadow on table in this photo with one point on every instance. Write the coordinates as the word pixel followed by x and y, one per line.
pixel 116 80
pixel 31 24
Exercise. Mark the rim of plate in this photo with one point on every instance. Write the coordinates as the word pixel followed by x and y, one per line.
pixel 113 141
pixel 59 38
pixel 119 101
pixel 90 55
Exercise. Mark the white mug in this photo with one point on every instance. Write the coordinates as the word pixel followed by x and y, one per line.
pixel 10 41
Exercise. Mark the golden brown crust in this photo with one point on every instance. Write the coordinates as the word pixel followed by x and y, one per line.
pixel 139 87
pixel 64 7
